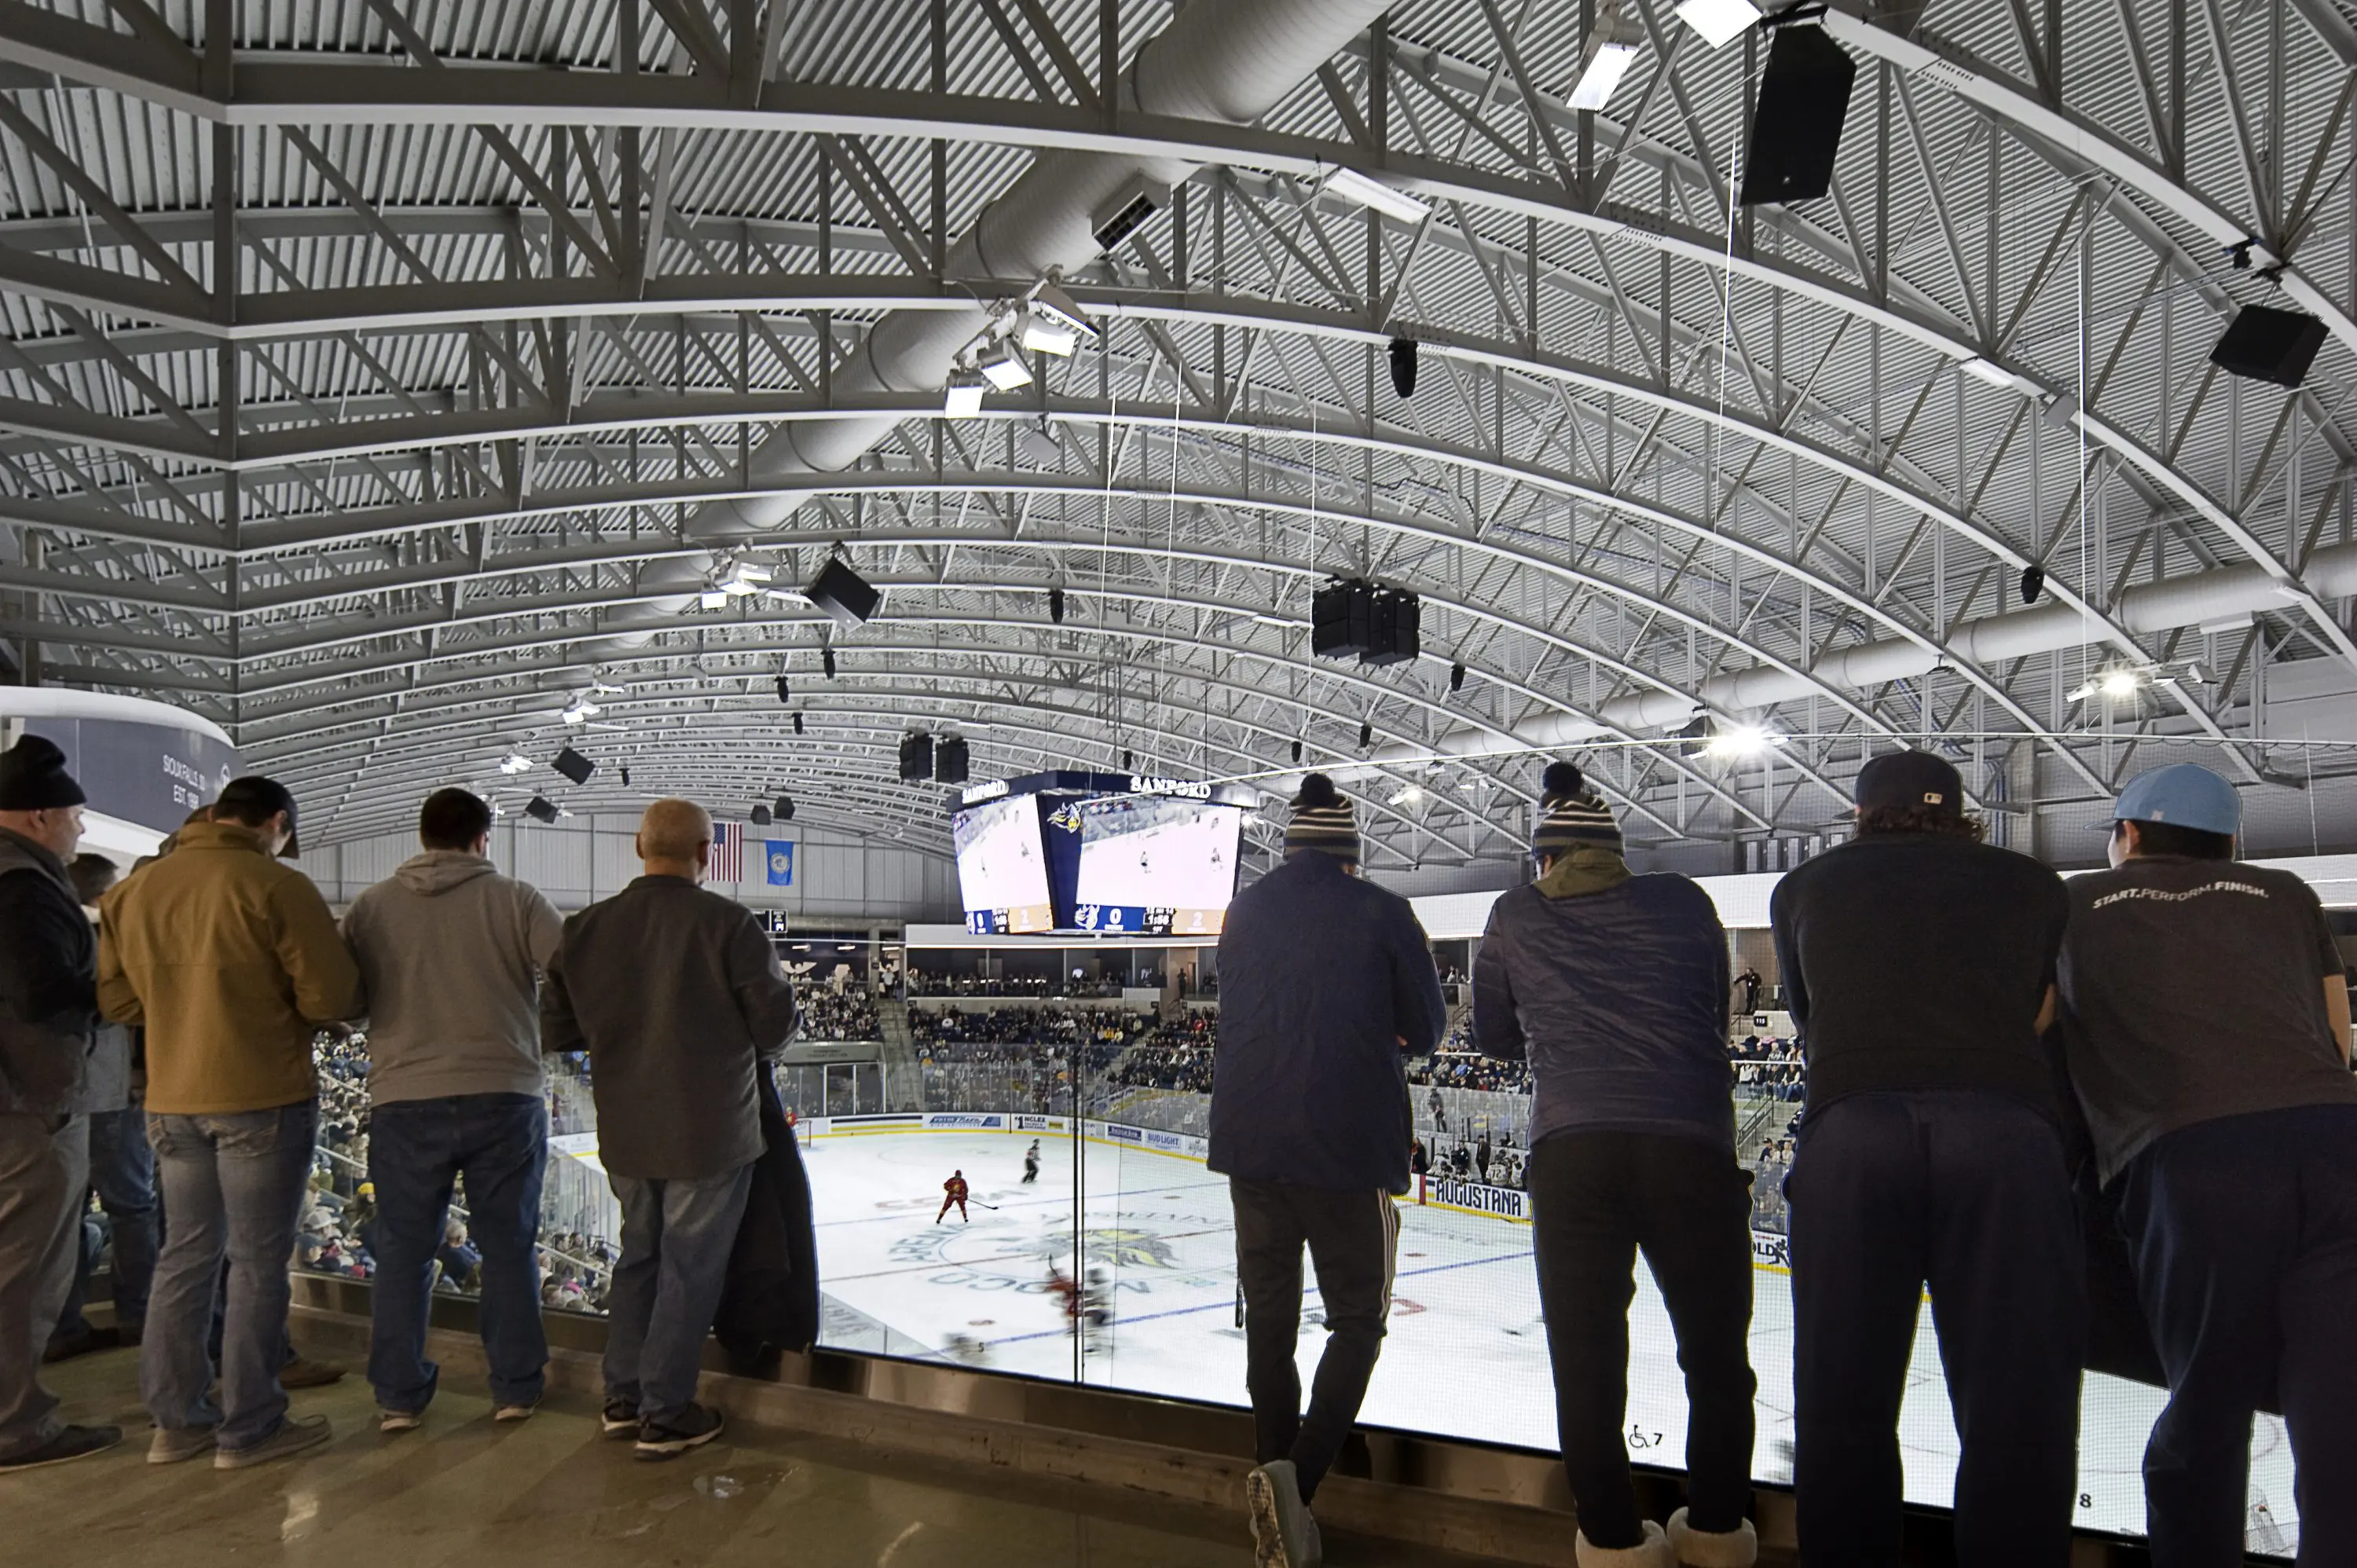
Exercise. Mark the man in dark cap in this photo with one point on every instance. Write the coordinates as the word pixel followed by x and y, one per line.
pixel 233 963
pixel 1326 982
pixel 1614 987
pixel 1920 964
pixel 48 1017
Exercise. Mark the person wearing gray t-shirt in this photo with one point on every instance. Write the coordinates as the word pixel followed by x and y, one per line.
pixel 2205 1022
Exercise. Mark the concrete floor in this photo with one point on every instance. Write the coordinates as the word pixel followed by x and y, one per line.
pixel 551 1491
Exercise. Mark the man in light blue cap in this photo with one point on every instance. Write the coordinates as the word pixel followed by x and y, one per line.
pixel 2205 1018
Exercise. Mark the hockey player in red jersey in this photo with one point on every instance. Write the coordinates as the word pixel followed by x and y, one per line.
pixel 953 1191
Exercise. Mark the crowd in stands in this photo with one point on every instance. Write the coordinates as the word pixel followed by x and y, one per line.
pixel 839 1016
pixel 1767 1069
pixel 923 983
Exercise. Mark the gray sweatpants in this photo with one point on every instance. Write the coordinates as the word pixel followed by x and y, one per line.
pixel 44 1174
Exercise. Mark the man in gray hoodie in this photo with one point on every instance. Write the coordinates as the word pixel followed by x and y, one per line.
pixel 450 955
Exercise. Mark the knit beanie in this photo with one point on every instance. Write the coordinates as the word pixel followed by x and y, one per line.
pixel 1322 821
pixel 1571 814
pixel 33 777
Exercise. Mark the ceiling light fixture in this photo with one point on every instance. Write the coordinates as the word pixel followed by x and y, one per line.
pixel 961 399
pixel 1360 190
pixel 712 599
pixel 1040 335
pixel 1003 368
pixel 1060 311
pixel 515 763
pixel 1611 50
pixel 581 712
pixel 1743 741
pixel 1409 796
pixel 1721 22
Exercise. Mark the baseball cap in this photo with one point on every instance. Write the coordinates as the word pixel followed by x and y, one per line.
pixel 255 795
pixel 2182 795
pixel 1903 780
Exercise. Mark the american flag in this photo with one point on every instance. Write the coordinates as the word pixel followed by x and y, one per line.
pixel 727 853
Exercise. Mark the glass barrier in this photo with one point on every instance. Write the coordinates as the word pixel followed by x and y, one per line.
pixel 1097 1247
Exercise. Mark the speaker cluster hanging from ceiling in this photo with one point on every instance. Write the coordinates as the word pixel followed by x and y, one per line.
pixel 1352 618
pixel 1797 129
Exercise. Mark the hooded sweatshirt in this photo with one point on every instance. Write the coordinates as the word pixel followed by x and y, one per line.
pixel 450 955
pixel 1615 987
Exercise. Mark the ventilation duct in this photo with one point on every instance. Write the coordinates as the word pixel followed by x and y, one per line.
pixel 1228 60
pixel 2197 599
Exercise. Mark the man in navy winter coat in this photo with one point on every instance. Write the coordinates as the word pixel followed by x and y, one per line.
pixel 1325 984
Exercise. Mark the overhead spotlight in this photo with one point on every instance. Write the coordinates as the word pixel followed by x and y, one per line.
pixel 2033 583
pixel 961 399
pixel 1743 741
pixel 713 598
pixel 1721 22
pixel 1056 605
pixel 1360 190
pixel 826 661
pixel 760 816
pixel 798 723
pixel 1059 310
pixel 1296 751
pixel 580 712
pixel 744 578
pixel 1404 366
pixel 785 690
pixel 540 808
pixel 1127 210
pixel 1041 446
pixel 2121 684
pixel 784 810
pixel 1366 734
pixel 515 762
pixel 1694 737
pixel 1611 50
pixel 844 595
pixel 573 766
pixel 1040 335
pixel 1456 677
pixel 1004 369
pixel 1409 796
pixel 1804 99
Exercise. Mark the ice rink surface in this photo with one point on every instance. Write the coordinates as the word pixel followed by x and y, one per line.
pixel 1466 1352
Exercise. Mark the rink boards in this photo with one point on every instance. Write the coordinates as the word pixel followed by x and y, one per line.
pixel 1466 1354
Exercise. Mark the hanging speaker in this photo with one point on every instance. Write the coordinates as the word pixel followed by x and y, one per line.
pixel 573 766
pixel 760 816
pixel 1296 751
pixel 826 661
pixel 2033 583
pixel 1366 734
pixel 785 690
pixel 1404 366
pixel 798 727
pixel 539 810
pixel 1804 99
pixel 784 810
pixel 2263 344
pixel 950 760
pixel 842 593
pixel 1056 605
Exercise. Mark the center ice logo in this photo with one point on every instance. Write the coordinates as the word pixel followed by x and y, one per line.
pixel 1122 1249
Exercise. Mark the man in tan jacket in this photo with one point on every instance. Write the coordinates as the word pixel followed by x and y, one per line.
pixel 233 963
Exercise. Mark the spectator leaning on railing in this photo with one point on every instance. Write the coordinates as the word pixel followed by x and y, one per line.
pixel 232 962
pixel 450 954
pixel 1614 987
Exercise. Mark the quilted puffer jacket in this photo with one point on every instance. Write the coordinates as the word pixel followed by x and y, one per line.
pixel 1615 987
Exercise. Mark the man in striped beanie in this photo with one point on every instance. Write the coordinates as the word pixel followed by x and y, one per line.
pixel 1325 984
pixel 1614 988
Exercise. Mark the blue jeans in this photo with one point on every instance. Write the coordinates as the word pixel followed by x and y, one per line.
pixel 123 1174
pixel 234 1185
pixel 2243 1230
pixel 1966 1192
pixel 499 1142
pixel 676 1238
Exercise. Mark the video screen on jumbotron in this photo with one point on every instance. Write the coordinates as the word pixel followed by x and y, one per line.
pixel 1156 865
pixel 1003 868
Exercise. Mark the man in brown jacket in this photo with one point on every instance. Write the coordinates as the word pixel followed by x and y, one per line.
pixel 233 963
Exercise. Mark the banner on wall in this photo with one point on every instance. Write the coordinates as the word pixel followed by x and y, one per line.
pixel 779 855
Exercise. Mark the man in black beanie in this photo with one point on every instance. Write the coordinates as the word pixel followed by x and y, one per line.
pixel 1614 987
pixel 49 1020
pixel 1919 963
pixel 1325 984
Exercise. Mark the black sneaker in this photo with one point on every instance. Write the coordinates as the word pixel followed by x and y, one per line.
pixel 691 1428
pixel 73 1443
pixel 81 1344
pixel 621 1419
